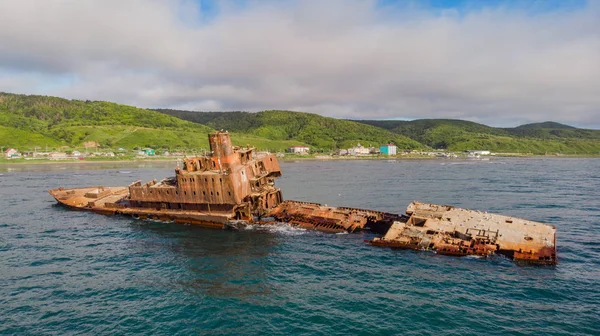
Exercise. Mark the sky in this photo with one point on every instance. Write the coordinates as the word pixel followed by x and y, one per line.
pixel 501 63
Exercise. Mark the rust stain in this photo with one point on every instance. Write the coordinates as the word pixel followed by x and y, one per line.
pixel 332 219
pixel 228 184
pixel 460 232
pixel 231 187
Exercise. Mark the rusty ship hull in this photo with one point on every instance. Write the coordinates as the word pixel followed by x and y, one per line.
pixel 460 232
pixel 113 201
pixel 311 216
pixel 232 187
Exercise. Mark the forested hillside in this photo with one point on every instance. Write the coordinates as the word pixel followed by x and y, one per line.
pixel 30 121
pixel 315 130
pixel 41 120
pixel 458 135
pixel 449 134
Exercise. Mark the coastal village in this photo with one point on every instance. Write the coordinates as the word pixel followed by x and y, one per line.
pixel 358 151
pixel 388 150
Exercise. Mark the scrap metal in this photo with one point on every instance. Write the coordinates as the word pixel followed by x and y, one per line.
pixel 232 187
pixel 460 232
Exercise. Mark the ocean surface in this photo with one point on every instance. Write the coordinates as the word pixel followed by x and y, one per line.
pixel 67 272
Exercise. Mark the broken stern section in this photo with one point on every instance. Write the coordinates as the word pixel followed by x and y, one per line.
pixel 459 232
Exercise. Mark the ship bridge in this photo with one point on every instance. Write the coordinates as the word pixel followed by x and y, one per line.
pixel 225 179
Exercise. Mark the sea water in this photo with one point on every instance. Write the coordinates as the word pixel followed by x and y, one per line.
pixel 69 272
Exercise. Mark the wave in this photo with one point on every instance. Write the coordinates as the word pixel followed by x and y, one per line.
pixel 278 228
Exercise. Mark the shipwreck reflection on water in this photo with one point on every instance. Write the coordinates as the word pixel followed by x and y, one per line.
pixel 213 263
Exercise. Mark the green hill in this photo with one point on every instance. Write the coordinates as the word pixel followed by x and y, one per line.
pixel 14 137
pixel 553 131
pixel 40 120
pixel 545 125
pixel 458 135
pixel 27 121
pixel 317 131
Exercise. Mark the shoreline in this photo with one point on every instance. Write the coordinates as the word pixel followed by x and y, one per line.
pixel 78 162
pixel 297 158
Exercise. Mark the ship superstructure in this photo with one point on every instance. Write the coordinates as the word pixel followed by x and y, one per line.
pixel 227 186
pixel 227 180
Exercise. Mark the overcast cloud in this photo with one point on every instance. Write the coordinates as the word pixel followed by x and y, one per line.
pixel 501 66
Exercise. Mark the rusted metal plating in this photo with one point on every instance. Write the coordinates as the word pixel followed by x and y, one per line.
pixel 459 232
pixel 229 179
pixel 332 219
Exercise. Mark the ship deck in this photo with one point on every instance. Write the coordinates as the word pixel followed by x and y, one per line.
pixel 113 201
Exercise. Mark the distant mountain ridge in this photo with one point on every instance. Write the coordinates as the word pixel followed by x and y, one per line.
pixel 545 124
pixel 319 132
pixel 450 134
pixel 537 138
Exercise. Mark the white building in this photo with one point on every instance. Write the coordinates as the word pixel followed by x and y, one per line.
pixel 479 152
pixel 358 150
pixel 58 156
pixel 11 153
pixel 298 150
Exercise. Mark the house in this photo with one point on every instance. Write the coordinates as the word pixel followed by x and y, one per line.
pixel 478 152
pixel 11 153
pixel 298 150
pixel 389 149
pixel 358 150
pixel 58 156
pixel 148 151
pixel 75 153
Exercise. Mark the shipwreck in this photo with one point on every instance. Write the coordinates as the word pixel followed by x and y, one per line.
pixel 232 187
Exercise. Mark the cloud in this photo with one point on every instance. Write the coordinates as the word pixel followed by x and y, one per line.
pixel 347 59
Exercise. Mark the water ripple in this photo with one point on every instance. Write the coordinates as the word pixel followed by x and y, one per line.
pixel 65 272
